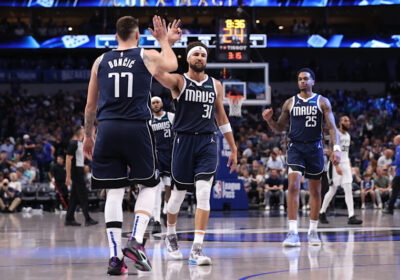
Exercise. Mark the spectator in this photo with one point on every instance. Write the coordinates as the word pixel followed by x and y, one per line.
pixel 4 163
pixel 45 157
pixel 9 197
pixel 8 147
pixel 383 188
pixel 57 176
pixel 248 151
pixel 367 187
pixel 29 172
pixel 274 163
pixel 15 184
pixel 250 185
pixel 29 147
pixel 274 187
pixel 385 160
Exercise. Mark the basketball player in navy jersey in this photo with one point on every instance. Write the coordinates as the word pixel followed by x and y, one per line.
pixel 195 152
pixel 305 113
pixel 161 123
pixel 119 92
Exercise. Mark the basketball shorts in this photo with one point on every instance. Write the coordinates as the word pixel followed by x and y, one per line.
pixel 123 145
pixel 164 162
pixel 307 158
pixel 194 157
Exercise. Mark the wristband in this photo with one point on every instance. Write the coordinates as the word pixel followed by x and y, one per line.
pixel 225 128
pixel 336 148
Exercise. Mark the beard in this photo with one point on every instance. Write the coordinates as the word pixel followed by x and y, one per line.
pixel 157 111
pixel 199 67
pixel 345 128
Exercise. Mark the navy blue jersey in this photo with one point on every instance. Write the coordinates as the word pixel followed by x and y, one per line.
pixel 124 85
pixel 195 106
pixel 306 119
pixel 162 128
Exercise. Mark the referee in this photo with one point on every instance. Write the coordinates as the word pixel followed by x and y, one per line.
pixel 74 169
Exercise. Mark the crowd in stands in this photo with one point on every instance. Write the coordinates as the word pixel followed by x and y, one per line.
pixel 36 129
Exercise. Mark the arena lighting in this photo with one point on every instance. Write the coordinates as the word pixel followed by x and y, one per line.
pixel 257 21
pixel 281 27
pixel 70 28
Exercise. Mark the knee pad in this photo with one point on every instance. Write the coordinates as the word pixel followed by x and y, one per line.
pixel 113 207
pixel 203 191
pixel 146 199
pixel 175 201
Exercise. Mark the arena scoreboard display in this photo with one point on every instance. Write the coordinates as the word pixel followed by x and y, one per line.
pixel 233 40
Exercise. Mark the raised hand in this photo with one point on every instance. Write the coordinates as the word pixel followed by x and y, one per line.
pixel 160 29
pixel 267 114
pixel 174 33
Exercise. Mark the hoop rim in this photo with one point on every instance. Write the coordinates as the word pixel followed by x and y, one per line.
pixel 234 98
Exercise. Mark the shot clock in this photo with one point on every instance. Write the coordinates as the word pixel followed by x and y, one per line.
pixel 232 40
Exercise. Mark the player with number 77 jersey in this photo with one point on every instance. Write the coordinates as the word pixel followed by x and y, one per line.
pixel 198 100
pixel 119 92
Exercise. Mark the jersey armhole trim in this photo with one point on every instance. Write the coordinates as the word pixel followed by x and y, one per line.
pixel 141 52
pixel 291 107
pixel 183 88
pixel 318 105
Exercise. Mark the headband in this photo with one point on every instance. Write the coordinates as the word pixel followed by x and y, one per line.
pixel 195 49
pixel 154 98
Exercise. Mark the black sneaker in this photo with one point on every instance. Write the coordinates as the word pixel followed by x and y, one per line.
pixel 72 223
pixel 323 219
pixel 117 267
pixel 90 222
pixel 136 252
pixel 156 228
pixel 354 221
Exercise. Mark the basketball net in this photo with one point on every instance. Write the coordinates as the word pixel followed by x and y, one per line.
pixel 235 105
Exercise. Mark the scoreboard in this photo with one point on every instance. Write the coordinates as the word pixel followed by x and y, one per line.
pixel 233 40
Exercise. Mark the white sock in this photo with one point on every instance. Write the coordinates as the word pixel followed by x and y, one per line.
pixel 139 226
pixel 348 197
pixel 313 226
pixel 114 242
pixel 199 236
pixel 171 228
pixel 293 226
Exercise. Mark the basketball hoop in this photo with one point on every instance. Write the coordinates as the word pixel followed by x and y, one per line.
pixel 235 105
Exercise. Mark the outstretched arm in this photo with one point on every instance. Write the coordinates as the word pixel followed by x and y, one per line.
pixel 174 82
pixel 283 119
pixel 166 59
pixel 333 132
pixel 225 126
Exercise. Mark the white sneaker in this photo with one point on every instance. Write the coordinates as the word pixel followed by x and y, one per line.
pixel 282 208
pixel 363 206
pixel 197 256
pixel 174 253
pixel 374 205
pixel 304 208
pixel 380 206
pixel 267 207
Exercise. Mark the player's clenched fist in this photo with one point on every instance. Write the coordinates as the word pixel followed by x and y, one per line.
pixel 267 114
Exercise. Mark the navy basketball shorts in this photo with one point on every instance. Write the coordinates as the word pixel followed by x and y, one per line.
pixel 123 144
pixel 194 157
pixel 307 158
pixel 164 162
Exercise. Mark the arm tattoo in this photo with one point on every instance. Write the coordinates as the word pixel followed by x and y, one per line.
pixel 330 119
pixel 89 123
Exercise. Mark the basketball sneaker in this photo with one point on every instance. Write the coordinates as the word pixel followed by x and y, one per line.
pixel 313 239
pixel 354 221
pixel 136 252
pixel 171 241
pixel 292 240
pixel 117 267
pixel 323 219
pixel 156 228
pixel 197 256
